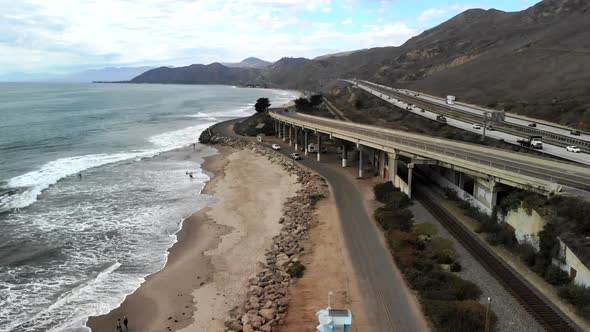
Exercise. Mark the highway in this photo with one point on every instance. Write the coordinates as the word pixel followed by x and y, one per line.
pixel 495 162
pixel 549 149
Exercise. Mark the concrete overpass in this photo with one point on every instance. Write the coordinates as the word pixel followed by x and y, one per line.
pixel 393 148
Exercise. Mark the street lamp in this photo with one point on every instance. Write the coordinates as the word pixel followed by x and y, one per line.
pixel 487 327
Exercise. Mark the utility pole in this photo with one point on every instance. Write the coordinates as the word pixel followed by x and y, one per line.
pixel 485 120
pixel 487 326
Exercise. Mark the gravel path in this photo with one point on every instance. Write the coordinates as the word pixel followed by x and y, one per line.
pixel 511 315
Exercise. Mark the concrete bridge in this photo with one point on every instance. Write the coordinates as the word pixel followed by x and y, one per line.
pixel 396 153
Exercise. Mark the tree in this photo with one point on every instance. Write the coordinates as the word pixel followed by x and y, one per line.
pixel 262 104
pixel 302 104
pixel 315 100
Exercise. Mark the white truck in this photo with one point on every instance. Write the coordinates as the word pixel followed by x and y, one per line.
pixel 450 100
pixel 311 148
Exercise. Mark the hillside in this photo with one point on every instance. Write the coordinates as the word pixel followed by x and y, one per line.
pixel 534 62
pixel 214 73
pixel 250 62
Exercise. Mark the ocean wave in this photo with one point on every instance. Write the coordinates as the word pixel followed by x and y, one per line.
pixel 33 183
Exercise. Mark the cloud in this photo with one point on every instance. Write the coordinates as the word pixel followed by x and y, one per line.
pixel 57 35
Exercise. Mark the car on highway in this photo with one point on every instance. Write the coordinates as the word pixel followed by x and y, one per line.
pixel 276 147
pixel 490 128
pixel 476 126
pixel 573 148
pixel 575 132
pixel 441 118
pixel 532 124
pixel 296 156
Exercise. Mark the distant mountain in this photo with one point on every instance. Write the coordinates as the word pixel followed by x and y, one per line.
pixel 214 73
pixel 250 62
pixel 534 62
pixel 104 74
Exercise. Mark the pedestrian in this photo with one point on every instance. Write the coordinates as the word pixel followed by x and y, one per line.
pixel 194 147
pixel 190 175
pixel 80 175
pixel 125 322
pixel 119 327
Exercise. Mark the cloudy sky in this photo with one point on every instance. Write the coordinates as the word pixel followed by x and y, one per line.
pixel 59 36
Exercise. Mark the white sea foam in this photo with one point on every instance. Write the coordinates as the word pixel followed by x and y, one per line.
pixel 35 182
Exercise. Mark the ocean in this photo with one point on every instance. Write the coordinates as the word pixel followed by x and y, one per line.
pixel 93 190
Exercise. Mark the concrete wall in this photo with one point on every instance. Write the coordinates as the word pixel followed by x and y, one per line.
pixel 526 227
pixel 444 182
pixel 582 274
pixel 399 183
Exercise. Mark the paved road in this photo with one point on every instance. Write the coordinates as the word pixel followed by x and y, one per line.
pixel 388 305
pixel 554 150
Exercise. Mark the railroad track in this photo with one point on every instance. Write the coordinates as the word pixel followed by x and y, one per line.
pixel 509 128
pixel 548 316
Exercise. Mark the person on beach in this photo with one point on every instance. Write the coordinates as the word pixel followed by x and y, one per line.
pixel 125 322
pixel 194 147
pixel 80 175
pixel 119 327
pixel 190 175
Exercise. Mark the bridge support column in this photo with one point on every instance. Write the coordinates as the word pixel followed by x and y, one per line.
pixel 290 135
pixel 284 132
pixel 381 163
pixel 393 161
pixel 319 147
pixel 277 128
pixel 410 170
pixel 305 146
pixel 486 192
pixel 344 155
pixel 360 147
pixel 296 139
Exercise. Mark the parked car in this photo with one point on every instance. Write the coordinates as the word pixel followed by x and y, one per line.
pixel 276 147
pixel 575 132
pixel 573 148
pixel 532 124
pixel 441 118
pixel 295 156
pixel 476 126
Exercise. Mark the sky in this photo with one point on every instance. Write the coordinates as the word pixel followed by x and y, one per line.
pixel 61 36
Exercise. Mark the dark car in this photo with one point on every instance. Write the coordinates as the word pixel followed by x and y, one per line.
pixel 532 124
pixel 441 118
pixel 575 132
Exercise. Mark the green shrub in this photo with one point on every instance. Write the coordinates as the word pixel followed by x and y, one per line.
pixel 527 253
pixel 456 267
pixel 394 219
pixel 458 316
pixel 296 270
pixel 556 276
pixel 382 191
pixel 425 229
pixel 503 236
pixel 463 289
pixel 577 295
pixel 398 200
pixel 444 256
pixel 450 194
pixel 316 198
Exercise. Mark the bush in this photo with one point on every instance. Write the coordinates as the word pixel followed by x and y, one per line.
pixel 397 200
pixel 579 296
pixel 394 219
pixel 503 236
pixel 296 270
pixel 556 276
pixel 456 267
pixel 383 191
pixel 527 253
pixel 425 229
pixel 463 289
pixel 458 316
pixel 316 198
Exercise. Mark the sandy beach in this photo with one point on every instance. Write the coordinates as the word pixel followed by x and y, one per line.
pixel 219 248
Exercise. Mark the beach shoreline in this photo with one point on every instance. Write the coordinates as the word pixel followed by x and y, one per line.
pixel 168 300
